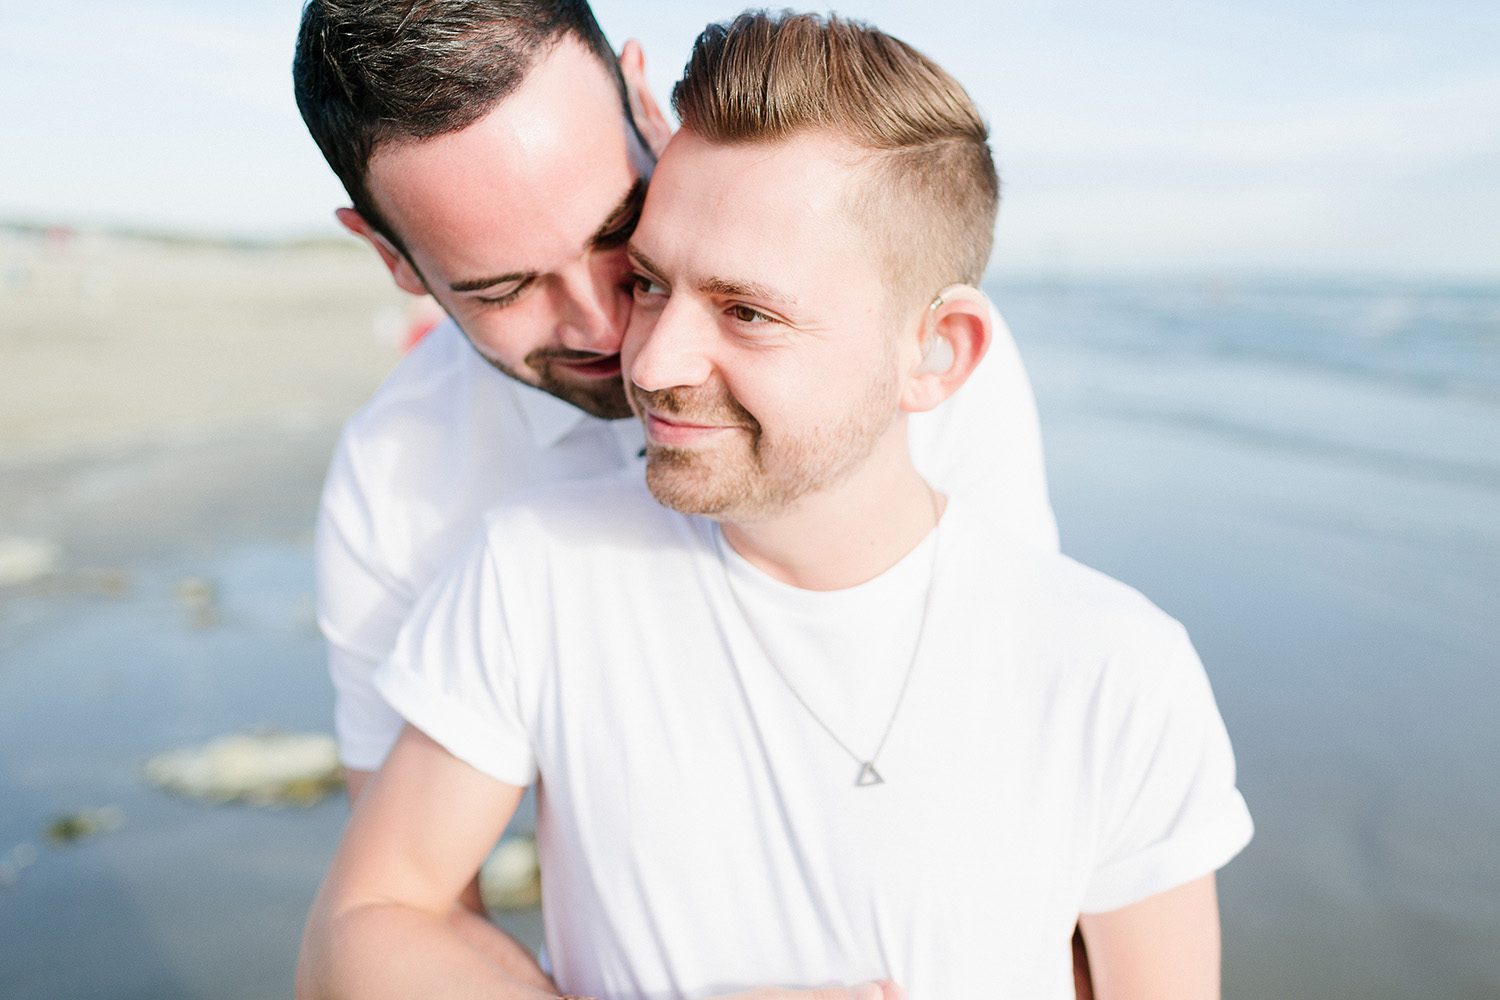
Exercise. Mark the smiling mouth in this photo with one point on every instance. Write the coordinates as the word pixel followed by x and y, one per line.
pixel 677 432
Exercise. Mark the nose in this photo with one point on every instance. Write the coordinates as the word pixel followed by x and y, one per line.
pixel 667 346
pixel 593 303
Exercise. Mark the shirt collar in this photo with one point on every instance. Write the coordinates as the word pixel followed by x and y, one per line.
pixel 548 418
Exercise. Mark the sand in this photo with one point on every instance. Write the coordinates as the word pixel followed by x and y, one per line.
pixel 107 342
pixel 158 394
pixel 1327 527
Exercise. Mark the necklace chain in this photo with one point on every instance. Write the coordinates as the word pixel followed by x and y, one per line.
pixel 867 773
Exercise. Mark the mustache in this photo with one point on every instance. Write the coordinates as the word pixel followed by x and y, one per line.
pixel 705 404
pixel 542 355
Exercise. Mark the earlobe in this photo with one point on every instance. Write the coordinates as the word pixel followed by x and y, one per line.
pixel 403 273
pixel 647 115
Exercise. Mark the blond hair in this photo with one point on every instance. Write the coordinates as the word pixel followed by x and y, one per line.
pixel 930 195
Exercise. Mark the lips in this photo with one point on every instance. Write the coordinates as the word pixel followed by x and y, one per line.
pixel 677 432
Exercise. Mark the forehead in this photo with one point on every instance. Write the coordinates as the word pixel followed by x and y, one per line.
pixel 530 180
pixel 775 214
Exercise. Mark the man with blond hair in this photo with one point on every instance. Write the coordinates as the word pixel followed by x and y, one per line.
pixel 818 725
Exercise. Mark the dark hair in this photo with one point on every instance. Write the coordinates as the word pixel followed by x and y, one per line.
pixel 931 192
pixel 367 72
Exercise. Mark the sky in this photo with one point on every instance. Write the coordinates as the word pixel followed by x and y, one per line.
pixel 1325 136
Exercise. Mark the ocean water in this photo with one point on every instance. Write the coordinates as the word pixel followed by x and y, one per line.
pixel 1306 474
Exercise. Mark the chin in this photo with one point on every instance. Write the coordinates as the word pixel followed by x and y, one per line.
pixel 679 481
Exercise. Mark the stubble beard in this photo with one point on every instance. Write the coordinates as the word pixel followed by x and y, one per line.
pixel 600 397
pixel 756 478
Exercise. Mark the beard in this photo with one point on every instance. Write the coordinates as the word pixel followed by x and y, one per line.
pixel 753 475
pixel 599 397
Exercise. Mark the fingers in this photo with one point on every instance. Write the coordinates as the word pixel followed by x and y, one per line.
pixel 863 991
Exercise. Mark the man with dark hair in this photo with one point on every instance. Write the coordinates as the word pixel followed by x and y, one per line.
pixel 822 721
pixel 496 154
pixel 497 157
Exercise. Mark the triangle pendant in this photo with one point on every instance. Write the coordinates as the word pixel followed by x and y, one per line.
pixel 868 776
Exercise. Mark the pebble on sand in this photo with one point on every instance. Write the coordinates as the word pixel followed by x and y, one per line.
pixel 263 769
pixel 24 559
pixel 511 878
pixel 81 824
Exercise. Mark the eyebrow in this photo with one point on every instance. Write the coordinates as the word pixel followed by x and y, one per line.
pixel 630 203
pixel 718 286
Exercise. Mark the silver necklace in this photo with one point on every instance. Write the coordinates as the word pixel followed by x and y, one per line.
pixel 867 774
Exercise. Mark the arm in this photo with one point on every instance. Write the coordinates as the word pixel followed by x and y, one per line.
pixel 381 924
pixel 361 606
pixel 470 921
pixel 1165 947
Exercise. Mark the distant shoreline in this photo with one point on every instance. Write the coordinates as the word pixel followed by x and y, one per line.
pixel 1000 273
pixel 166 237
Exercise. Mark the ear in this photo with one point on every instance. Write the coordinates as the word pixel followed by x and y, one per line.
pixel 643 108
pixel 955 333
pixel 402 272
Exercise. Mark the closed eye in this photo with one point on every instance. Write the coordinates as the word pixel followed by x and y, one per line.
pixel 506 297
pixel 620 226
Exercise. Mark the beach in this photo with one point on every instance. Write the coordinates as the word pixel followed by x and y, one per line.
pixel 1308 477
pixel 1307 474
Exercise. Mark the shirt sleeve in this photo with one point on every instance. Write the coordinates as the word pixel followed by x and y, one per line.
pixel 985 443
pixel 1171 811
pixel 361 606
pixel 453 673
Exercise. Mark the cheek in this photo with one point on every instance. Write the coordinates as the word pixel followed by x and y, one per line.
pixel 497 343
pixel 636 332
pixel 509 336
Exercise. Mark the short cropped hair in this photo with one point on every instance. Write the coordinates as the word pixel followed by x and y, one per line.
pixel 931 192
pixel 369 72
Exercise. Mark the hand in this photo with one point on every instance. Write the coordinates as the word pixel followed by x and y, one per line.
pixel 864 991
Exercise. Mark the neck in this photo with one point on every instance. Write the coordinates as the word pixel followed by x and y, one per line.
pixel 847 533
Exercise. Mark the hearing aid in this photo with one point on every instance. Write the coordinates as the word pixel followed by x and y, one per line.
pixel 937 353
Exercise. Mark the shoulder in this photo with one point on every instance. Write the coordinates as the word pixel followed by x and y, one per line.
pixel 442 437
pixel 1065 614
pixel 429 395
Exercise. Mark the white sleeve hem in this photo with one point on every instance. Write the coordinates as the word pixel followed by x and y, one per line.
pixel 480 741
pixel 1180 859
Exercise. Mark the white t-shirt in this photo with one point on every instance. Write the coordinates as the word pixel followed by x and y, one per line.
pixel 447 436
pixel 1057 751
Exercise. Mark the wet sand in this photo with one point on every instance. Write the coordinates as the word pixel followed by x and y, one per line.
pixel 167 415
pixel 1331 539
